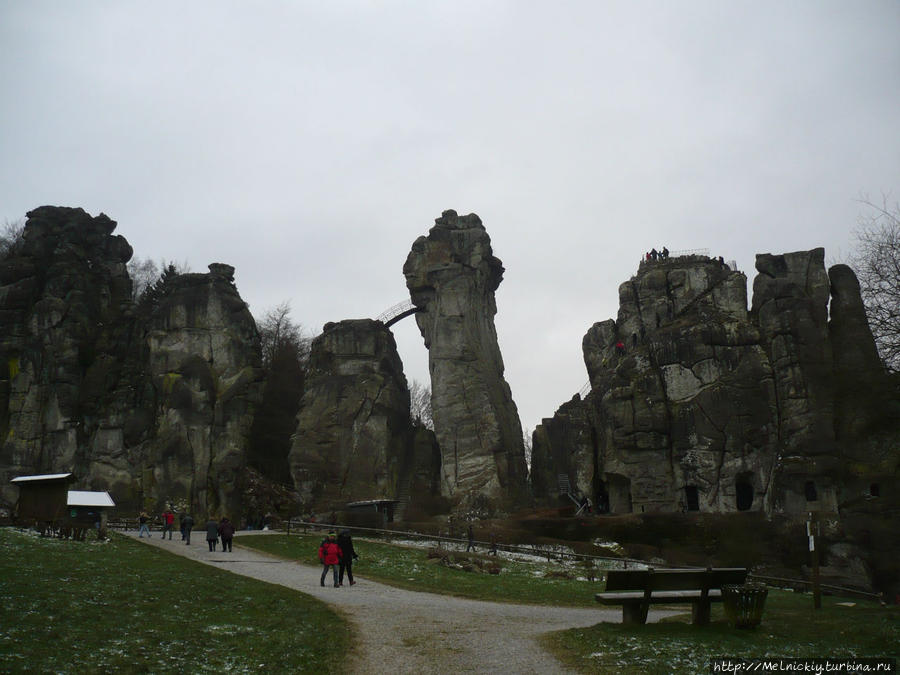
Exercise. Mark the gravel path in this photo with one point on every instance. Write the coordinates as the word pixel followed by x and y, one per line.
pixel 403 631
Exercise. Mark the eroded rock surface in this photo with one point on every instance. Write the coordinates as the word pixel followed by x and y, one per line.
pixel 451 275
pixel 355 440
pixel 698 404
pixel 151 403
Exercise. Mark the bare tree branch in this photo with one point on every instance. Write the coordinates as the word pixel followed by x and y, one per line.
pixel 877 265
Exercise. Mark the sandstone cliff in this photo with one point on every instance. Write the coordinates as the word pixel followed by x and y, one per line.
pixel 706 406
pixel 355 439
pixel 151 403
pixel 452 275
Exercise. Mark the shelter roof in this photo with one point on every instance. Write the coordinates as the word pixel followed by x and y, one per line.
pixel 82 498
pixel 371 502
pixel 42 477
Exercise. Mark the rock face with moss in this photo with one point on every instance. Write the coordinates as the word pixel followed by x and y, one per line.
pixel 355 440
pixel 451 275
pixel 150 402
pixel 698 404
pixel 204 367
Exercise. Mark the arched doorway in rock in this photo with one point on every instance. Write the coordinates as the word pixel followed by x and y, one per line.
pixel 743 491
pixel 691 498
pixel 619 487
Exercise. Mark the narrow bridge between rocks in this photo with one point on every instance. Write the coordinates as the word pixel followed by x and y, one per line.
pixel 401 310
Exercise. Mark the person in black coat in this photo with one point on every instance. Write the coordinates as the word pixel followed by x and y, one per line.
pixel 212 533
pixel 345 541
pixel 188 524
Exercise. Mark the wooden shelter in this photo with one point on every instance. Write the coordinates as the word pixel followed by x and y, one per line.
pixel 85 511
pixel 43 499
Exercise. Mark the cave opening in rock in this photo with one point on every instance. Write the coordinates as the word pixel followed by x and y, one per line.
pixel 692 498
pixel 809 490
pixel 743 492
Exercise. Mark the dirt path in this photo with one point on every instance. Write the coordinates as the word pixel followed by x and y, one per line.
pixel 401 631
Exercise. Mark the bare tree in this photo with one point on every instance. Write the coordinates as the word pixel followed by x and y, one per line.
pixel 420 404
pixel 278 334
pixel 876 261
pixel 528 443
pixel 285 353
pixel 10 235
pixel 143 273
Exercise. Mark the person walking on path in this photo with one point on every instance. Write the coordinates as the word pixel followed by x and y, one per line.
pixel 345 541
pixel 226 531
pixel 470 535
pixel 181 524
pixel 188 524
pixel 143 521
pixel 330 555
pixel 212 534
pixel 168 523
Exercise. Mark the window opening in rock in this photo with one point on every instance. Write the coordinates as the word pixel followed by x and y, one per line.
pixel 809 489
pixel 874 490
pixel 692 497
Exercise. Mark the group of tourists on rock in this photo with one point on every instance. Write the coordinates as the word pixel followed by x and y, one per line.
pixel 214 530
pixel 653 255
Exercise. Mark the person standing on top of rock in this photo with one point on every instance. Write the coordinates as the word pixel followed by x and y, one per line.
pixel 348 554
pixel 653 254
pixel 665 253
pixel 330 555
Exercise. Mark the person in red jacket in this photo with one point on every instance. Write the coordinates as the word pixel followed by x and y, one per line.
pixel 168 523
pixel 330 555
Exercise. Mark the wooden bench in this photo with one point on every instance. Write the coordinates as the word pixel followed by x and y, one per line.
pixel 636 590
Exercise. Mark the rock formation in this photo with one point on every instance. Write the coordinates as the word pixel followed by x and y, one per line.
pixel 151 403
pixel 698 404
pixel 451 275
pixel 355 440
pixel 204 366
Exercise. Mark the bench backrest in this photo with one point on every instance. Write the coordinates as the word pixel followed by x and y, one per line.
pixel 674 580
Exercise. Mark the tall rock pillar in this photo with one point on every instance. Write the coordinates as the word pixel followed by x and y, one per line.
pixel 452 275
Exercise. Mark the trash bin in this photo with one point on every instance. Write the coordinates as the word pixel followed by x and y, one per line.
pixel 744 604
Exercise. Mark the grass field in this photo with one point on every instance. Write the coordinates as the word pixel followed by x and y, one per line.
pixel 538 583
pixel 121 606
pixel 790 628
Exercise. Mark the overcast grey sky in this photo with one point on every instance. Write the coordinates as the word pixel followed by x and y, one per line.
pixel 309 143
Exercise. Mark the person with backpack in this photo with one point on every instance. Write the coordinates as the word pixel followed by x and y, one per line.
pixel 348 555
pixel 330 555
pixel 143 520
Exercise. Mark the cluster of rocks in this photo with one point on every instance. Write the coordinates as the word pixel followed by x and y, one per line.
pixel 697 403
pixel 153 403
pixel 708 406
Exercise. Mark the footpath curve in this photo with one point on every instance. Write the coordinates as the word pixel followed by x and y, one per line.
pixel 402 631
